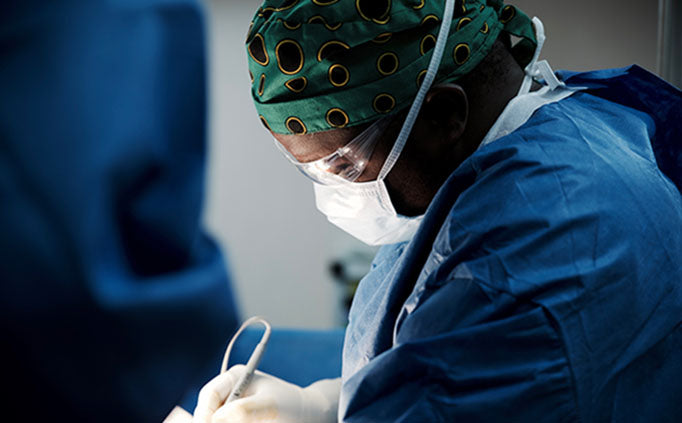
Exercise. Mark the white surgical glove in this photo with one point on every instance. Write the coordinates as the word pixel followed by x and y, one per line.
pixel 267 399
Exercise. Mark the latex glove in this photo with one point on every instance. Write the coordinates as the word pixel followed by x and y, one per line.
pixel 267 399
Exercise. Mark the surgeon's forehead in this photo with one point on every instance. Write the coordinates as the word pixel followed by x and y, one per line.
pixel 309 147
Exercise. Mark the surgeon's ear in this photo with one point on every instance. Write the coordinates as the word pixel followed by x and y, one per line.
pixel 446 109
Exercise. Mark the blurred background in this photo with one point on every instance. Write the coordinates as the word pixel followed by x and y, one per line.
pixel 281 249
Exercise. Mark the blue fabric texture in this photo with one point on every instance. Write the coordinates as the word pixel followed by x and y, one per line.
pixel 545 283
pixel 113 299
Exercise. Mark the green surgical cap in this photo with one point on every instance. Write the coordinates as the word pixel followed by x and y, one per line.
pixel 317 65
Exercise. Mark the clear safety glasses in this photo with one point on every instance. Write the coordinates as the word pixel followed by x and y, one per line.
pixel 348 162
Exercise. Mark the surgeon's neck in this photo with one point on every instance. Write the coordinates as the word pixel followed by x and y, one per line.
pixel 488 101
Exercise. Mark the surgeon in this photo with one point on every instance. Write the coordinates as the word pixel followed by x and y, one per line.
pixel 531 221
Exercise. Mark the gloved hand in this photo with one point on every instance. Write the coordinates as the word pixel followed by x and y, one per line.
pixel 267 399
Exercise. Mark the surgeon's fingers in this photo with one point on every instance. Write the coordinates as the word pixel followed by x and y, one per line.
pixel 261 409
pixel 214 394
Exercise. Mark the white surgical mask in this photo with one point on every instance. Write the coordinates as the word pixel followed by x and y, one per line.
pixel 364 210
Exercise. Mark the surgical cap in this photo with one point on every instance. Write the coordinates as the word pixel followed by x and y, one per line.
pixel 317 65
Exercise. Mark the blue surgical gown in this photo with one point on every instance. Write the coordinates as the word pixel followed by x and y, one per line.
pixel 114 302
pixel 545 283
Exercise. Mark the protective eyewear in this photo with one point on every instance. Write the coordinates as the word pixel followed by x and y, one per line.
pixel 348 162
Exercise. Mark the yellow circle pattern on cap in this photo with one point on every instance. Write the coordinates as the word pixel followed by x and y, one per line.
pixel 317 65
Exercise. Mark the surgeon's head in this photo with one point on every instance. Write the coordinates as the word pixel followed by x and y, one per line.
pixel 333 81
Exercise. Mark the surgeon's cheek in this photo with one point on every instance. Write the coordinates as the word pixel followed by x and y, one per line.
pixel 247 410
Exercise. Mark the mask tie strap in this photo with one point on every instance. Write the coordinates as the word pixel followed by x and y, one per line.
pixel 541 68
pixel 531 70
pixel 545 70
pixel 434 64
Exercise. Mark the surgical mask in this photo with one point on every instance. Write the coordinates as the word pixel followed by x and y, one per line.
pixel 364 210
